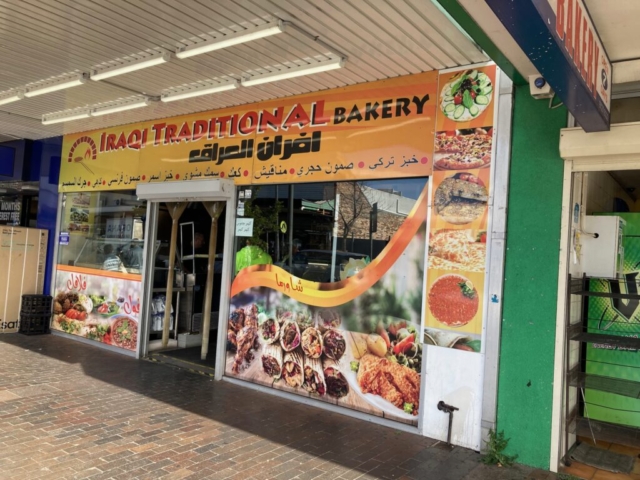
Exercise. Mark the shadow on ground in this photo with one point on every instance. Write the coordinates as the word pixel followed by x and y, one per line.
pixel 355 445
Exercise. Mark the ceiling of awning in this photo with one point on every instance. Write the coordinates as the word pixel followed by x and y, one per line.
pixel 40 39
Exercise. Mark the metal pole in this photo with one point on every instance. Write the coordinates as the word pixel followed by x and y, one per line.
pixel 291 228
pixel 214 209
pixel 175 210
pixel 336 207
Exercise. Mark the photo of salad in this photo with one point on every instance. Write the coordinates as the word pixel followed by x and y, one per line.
pixel 466 95
pixel 97 308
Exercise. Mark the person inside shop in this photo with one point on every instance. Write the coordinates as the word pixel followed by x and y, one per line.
pixel 200 257
pixel 112 261
pixel 133 255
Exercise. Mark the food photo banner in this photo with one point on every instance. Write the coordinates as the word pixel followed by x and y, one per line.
pixel 98 305
pixel 460 208
pixel 369 131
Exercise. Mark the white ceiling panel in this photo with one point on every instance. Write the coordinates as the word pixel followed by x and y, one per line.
pixel 40 39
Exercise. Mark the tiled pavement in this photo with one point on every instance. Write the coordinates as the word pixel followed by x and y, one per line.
pixel 72 411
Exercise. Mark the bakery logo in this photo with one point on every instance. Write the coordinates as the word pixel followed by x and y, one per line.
pixel 84 148
pixel 605 80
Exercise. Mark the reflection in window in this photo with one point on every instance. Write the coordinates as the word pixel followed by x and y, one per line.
pixel 105 230
pixel 297 228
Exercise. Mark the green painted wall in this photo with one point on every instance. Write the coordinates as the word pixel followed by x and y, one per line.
pixel 531 279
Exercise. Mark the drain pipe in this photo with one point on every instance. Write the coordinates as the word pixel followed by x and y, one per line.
pixel 443 407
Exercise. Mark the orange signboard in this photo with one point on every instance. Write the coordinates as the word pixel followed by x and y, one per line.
pixel 381 129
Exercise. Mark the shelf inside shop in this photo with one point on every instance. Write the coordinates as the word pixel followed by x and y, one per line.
pixel 623 296
pixel 626 388
pixel 613 340
pixel 607 432
pixel 164 290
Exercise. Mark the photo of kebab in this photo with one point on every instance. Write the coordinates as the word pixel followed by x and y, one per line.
pixel 243 335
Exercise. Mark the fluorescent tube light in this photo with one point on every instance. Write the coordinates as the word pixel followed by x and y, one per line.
pixel 119 107
pixel 11 96
pixel 55 85
pixel 62 117
pixel 252 33
pixel 199 90
pixel 127 67
pixel 326 65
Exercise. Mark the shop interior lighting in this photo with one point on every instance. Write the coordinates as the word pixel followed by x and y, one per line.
pixel 252 33
pixel 11 96
pixel 50 119
pixel 132 66
pixel 56 84
pixel 323 66
pixel 196 91
pixel 120 106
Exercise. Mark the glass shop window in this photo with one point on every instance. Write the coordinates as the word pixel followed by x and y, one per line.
pixel 102 231
pixel 322 232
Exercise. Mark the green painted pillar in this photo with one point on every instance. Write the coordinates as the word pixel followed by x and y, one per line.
pixel 531 279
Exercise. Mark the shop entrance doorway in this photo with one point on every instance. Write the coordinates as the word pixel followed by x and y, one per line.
pixel 601 398
pixel 187 274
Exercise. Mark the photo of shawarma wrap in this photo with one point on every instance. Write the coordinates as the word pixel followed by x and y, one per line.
pixel 270 331
pixel 334 344
pixel 289 336
pixel 272 356
pixel 442 338
pixel 327 319
pixel 292 369
pixel 314 376
pixel 337 385
pixel 312 342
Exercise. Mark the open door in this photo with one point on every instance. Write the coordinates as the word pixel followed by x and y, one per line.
pixel 177 323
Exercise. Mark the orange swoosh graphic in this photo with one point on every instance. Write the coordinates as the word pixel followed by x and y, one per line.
pixel 338 293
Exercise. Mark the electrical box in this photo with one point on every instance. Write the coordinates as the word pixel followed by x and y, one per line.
pixel 602 246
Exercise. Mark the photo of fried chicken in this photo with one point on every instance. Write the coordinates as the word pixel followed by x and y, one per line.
pixel 395 383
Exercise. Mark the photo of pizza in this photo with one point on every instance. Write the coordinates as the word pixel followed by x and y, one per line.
pixel 453 300
pixel 461 198
pixel 459 250
pixel 463 149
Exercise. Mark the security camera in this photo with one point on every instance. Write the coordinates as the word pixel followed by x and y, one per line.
pixel 539 87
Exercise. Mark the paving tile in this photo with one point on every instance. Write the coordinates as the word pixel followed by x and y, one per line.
pixel 71 411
